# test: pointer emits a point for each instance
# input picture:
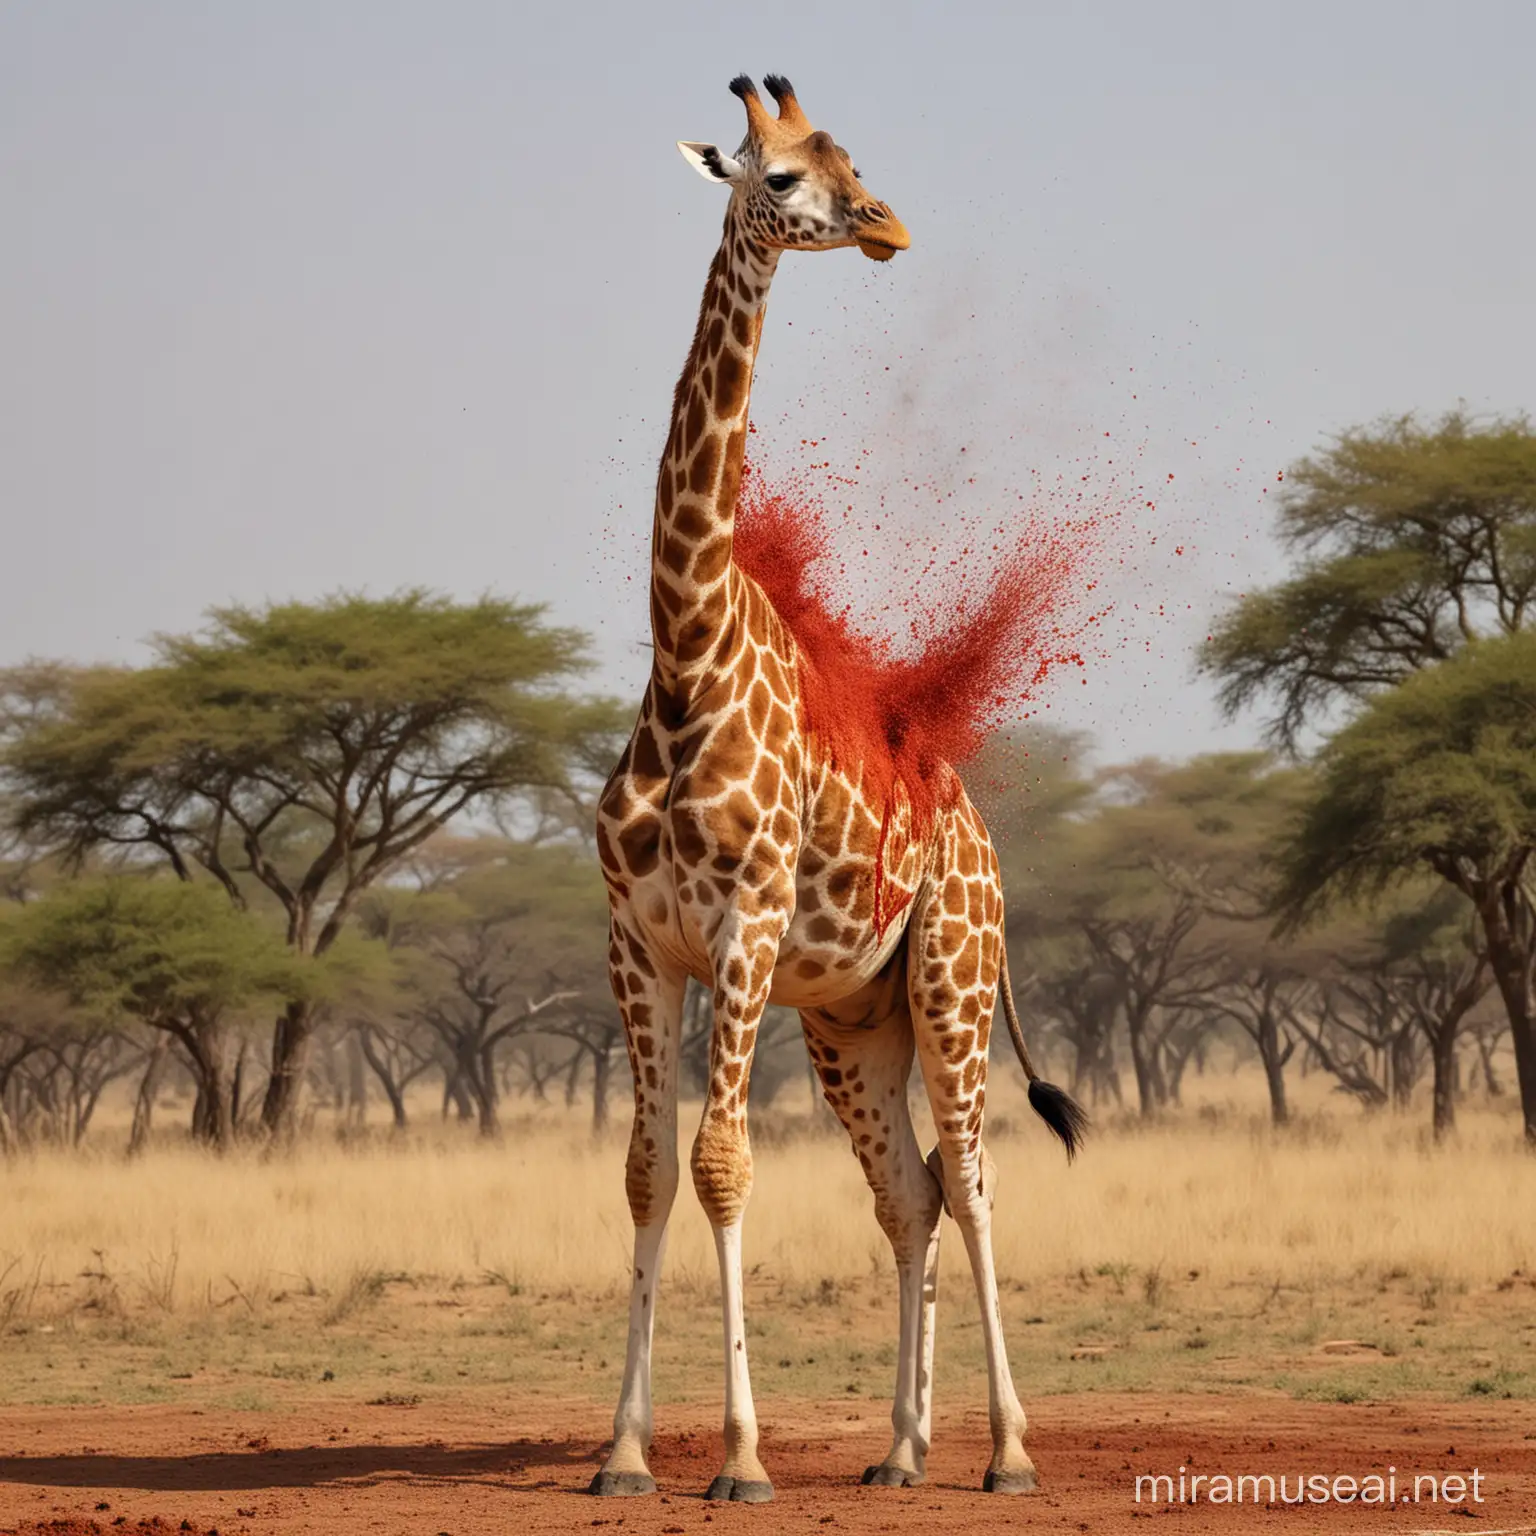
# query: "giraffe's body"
(738, 852)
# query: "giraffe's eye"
(780, 181)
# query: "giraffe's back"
(728, 810)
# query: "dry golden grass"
(1206, 1253)
(1341, 1197)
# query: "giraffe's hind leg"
(955, 943)
(651, 1002)
(864, 1069)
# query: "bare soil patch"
(523, 1465)
(117, 1526)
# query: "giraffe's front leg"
(652, 1005)
(722, 1176)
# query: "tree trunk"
(9, 1139)
(144, 1100)
(481, 1071)
(212, 1120)
(1522, 1028)
(221, 1120)
(1512, 966)
(537, 1079)
(1075, 1083)
(456, 1091)
(1267, 1038)
(237, 1086)
(291, 1040)
(1274, 1078)
(1104, 1075)
(602, 1066)
(334, 1077)
(1174, 1073)
(1486, 1046)
(1150, 1088)
(201, 1112)
(392, 1090)
(1403, 1066)
(357, 1081)
(1443, 1058)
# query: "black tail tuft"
(1067, 1118)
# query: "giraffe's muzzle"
(882, 234)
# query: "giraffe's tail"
(1067, 1118)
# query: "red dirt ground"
(475, 1468)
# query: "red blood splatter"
(984, 634)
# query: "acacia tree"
(1439, 974)
(62, 1084)
(1078, 1004)
(1255, 992)
(28, 1020)
(501, 939)
(54, 1061)
(173, 956)
(1141, 936)
(595, 1027)
(1399, 981)
(1217, 819)
(1153, 882)
(1412, 540)
(369, 723)
(1439, 775)
(1036, 794)
(397, 1050)
(1356, 1029)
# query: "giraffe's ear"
(707, 160)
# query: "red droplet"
(983, 641)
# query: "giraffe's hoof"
(621, 1485)
(740, 1490)
(884, 1475)
(1010, 1480)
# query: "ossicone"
(783, 94)
(790, 116)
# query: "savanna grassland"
(1343, 1258)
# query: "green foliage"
(497, 939)
(1141, 900)
(1413, 540)
(545, 901)
(304, 751)
(156, 950)
(1420, 924)
(358, 725)
(1439, 773)
(1156, 837)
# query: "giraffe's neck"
(701, 467)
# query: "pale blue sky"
(304, 296)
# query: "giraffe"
(736, 851)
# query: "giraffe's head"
(794, 189)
